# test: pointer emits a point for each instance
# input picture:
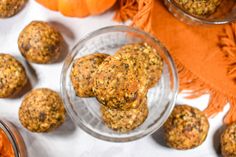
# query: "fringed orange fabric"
(199, 59)
(126, 10)
(195, 87)
(228, 45)
(140, 11)
(143, 19)
(231, 116)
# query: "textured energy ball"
(9, 8)
(82, 73)
(186, 128)
(125, 120)
(12, 76)
(119, 81)
(199, 7)
(40, 43)
(228, 141)
(148, 58)
(42, 110)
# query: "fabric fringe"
(196, 87)
(140, 11)
(143, 19)
(127, 9)
(228, 46)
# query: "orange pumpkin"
(78, 8)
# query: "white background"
(69, 140)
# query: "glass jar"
(85, 112)
(225, 13)
(14, 137)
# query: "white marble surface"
(69, 140)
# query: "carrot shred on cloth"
(205, 59)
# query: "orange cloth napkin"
(205, 55)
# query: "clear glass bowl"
(225, 13)
(85, 112)
(14, 137)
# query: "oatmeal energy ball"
(118, 82)
(199, 7)
(186, 128)
(9, 8)
(12, 76)
(82, 73)
(42, 110)
(148, 58)
(228, 141)
(40, 43)
(125, 120)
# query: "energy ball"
(228, 141)
(199, 7)
(12, 76)
(148, 58)
(186, 128)
(42, 110)
(119, 81)
(40, 43)
(125, 120)
(9, 8)
(82, 73)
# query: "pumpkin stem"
(127, 9)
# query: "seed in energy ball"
(42, 110)
(40, 43)
(12, 76)
(199, 7)
(82, 73)
(125, 120)
(228, 141)
(10, 8)
(186, 128)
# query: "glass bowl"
(85, 112)
(225, 13)
(14, 137)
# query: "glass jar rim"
(118, 28)
(199, 20)
(6, 129)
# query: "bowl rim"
(65, 68)
(196, 19)
(4, 126)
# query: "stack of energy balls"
(119, 82)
